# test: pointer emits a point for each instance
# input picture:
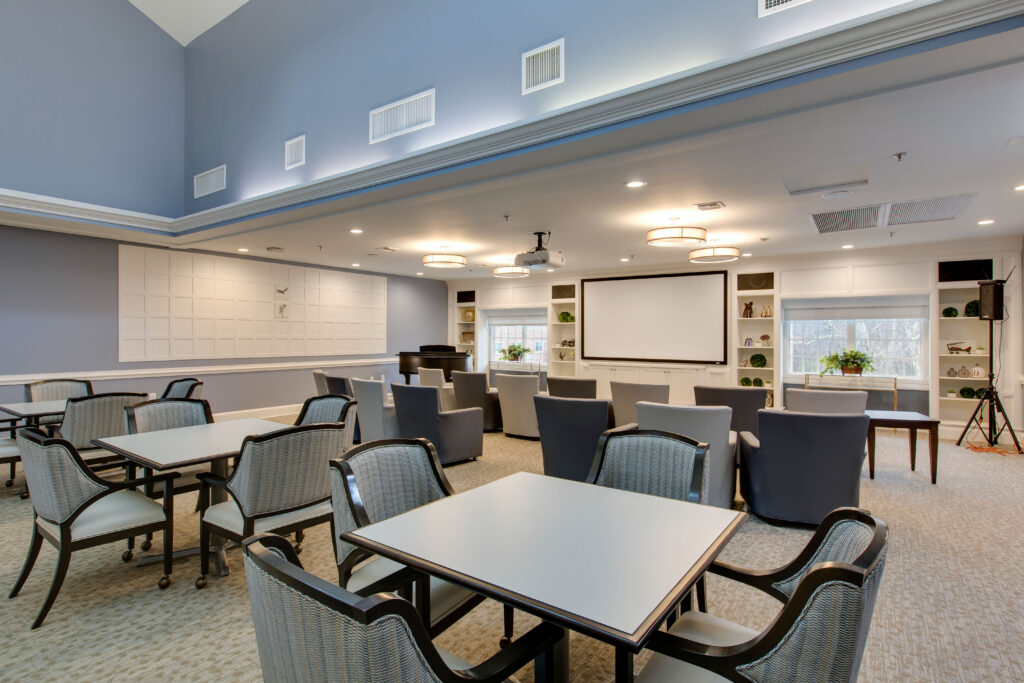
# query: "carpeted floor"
(949, 607)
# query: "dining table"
(607, 563)
(33, 411)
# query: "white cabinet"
(680, 379)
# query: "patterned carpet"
(949, 606)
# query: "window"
(894, 332)
(533, 337)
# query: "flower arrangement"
(849, 361)
(514, 352)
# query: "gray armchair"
(823, 401)
(625, 396)
(651, 462)
(57, 389)
(803, 466)
(310, 630)
(572, 387)
(471, 391)
(518, 414)
(829, 594)
(569, 431)
(377, 419)
(320, 382)
(744, 401)
(95, 417)
(188, 387)
(456, 434)
(434, 377)
(709, 424)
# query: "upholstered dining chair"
(187, 387)
(280, 484)
(829, 594)
(569, 431)
(471, 391)
(95, 417)
(320, 382)
(379, 480)
(170, 413)
(518, 414)
(310, 630)
(338, 386)
(803, 465)
(74, 509)
(572, 387)
(709, 424)
(377, 419)
(434, 377)
(824, 401)
(10, 455)
(457, 434)
(651, 462)
(625, 396)
(57, 389)
(326, 408)
(744, 401)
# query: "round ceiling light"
(444, 261)
(511, 271)
(680, 236)
(714, 255)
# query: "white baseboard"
(270, 411)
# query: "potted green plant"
(514, 352)
(848, 361)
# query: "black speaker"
(991, 293)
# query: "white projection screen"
(678, 318)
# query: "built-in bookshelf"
(562, 335)
(755, 331)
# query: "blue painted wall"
(274, 70)
(92, 104)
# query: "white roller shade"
(518, 316)
(856, 308)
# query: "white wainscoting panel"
(816, 281)
(893, 277)
(177, 306)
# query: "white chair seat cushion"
(701, 628)
(227, 516)
(445, 597)
(118, 511)
(9, 448)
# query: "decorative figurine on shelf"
(977, 371)
(769, 400)
(955, 348)
(964, 372)
(744, 363)
(766, 340)
(748, 309)
(748, 342)
(951, 372)
(571, 343)
(561, 355)
(766, 311)
(470, 315)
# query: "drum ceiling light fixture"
(511, 271)
(678, 236)
(714, 255)
(444, 261)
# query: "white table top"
(607, 562)
(35, 408)
(169, 448)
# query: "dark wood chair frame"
(65, 546)
(724, 660)
(112, 461)
(275, 556)
(356, 557)
(28, 387)
(208, 481)
(309, 401)
(196, 384)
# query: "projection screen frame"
(725, 319)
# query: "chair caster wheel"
(201, 582)
(146, 545)
(298, 548)
(127, 556)
(164, 582)
(504, 642)
(9, 483)
(23, 495)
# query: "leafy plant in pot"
(514, 352)
(848, 361)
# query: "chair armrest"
(748, 443)
(211, 479)
(519, 653)
(390, 583)
(462, 414)
(142, 481)
(761, 579)
(109, 466)
(714, 658)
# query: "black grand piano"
(433, 356)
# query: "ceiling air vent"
(544, 66)
(766, 7)
(709, 206)
(928, 210)
(404, 116)
(294, 152)
(208, 182)
(847, 219)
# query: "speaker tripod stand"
(990, 396)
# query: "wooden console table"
(904, 420)
(853, 383)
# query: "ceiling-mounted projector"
(540, 256)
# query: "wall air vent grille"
(404, 116)
(928, 210)
(208, 182)
(295, 152)
(766, 7)
(544, 66)
(847, 219)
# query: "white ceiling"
(186, 20)
(954, 132)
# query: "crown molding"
(802, 55)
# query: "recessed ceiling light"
(355, 265)
(836, 194)
(420, 274)
(1019, 188)
(847, 246)
(551, 270)
(634, 184)
(987, 221)
(356, 231)
(747, 254)
(243, 249)
(624, 260)
(714, 255)
(680, 236)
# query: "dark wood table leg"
(913, 448)
(871, 450)
(933, 449)
(623, 665)
(554, 669)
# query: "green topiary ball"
(950, 312)
(758, 360)
(973, 308)
(758, 382)
(967, 392)
(745, 382)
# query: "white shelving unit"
(969, 332)
(562, 358)
(465, 330)
(760, 324)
